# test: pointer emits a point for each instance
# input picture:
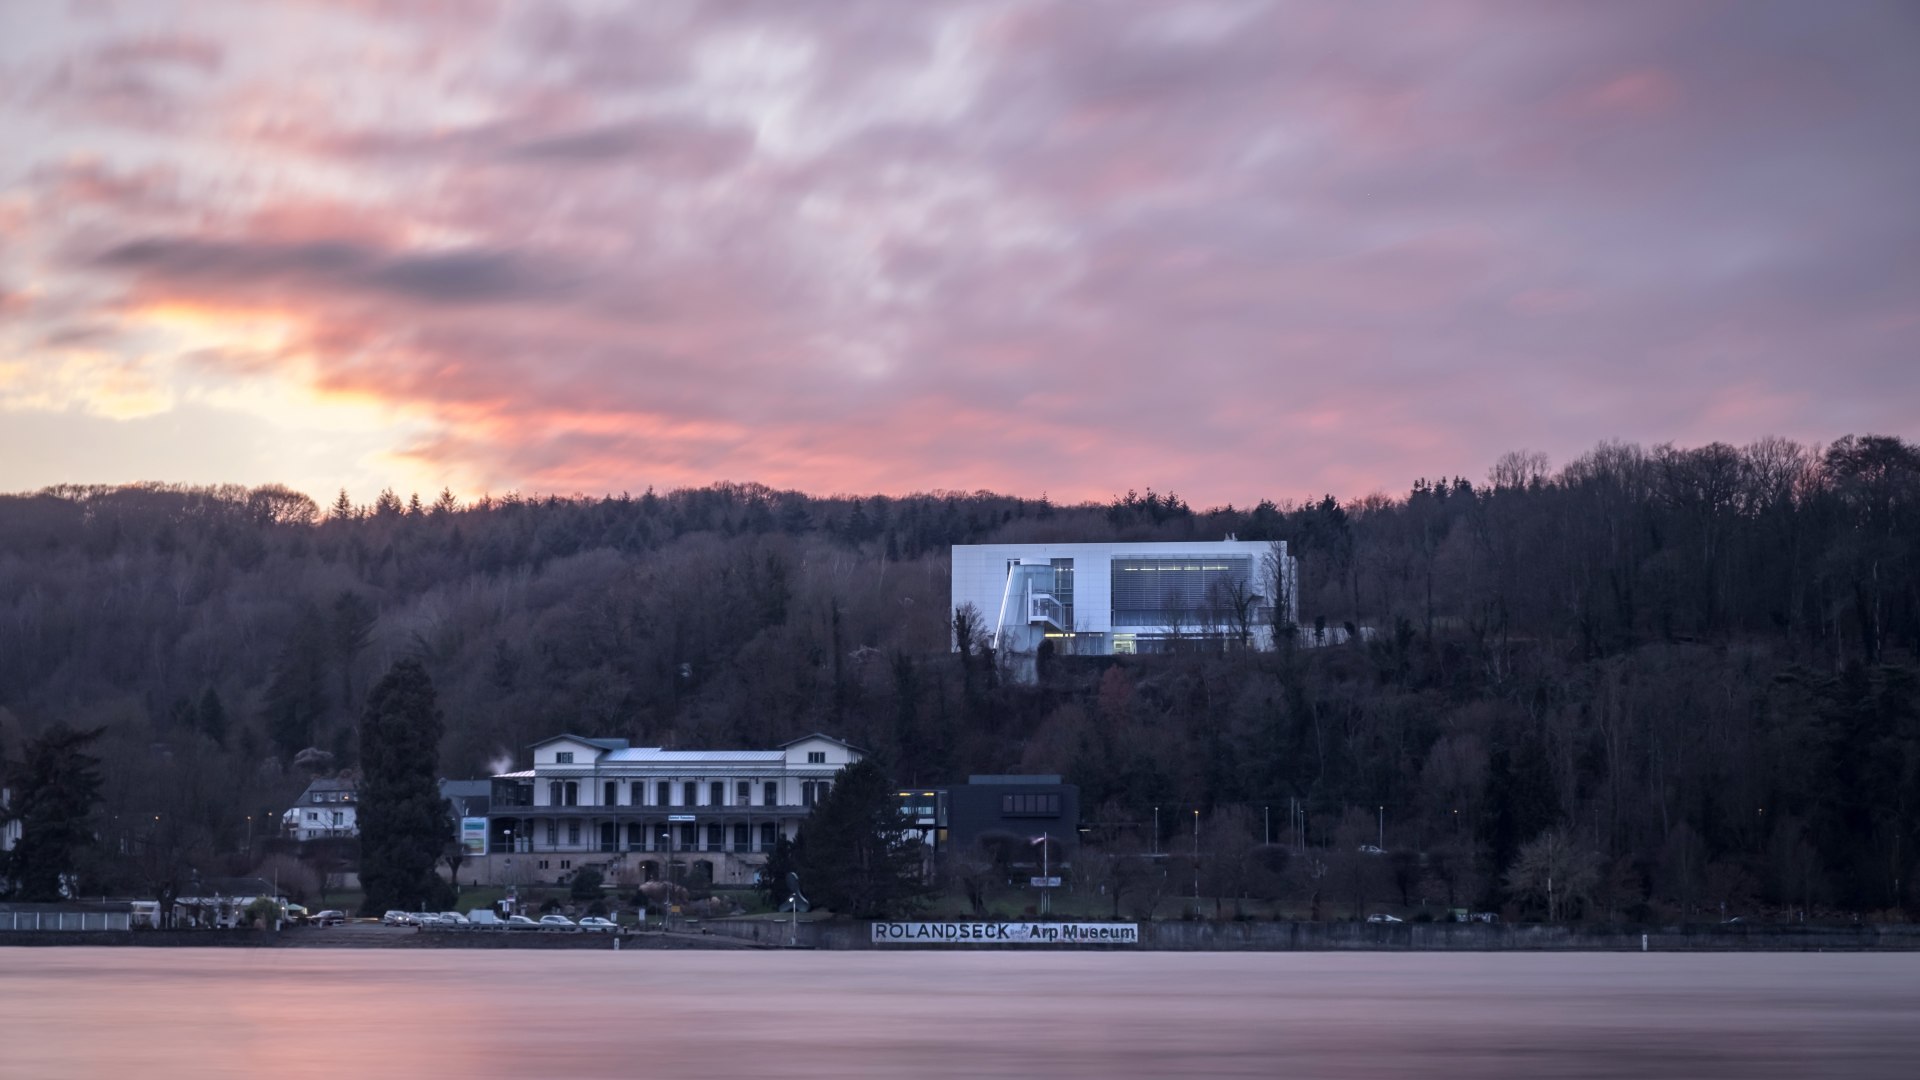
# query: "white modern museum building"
(640, 813)
(1101, 599)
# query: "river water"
(288, 1014)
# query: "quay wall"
(1335, 936)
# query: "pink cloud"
(1078, 251)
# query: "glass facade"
(1186, 592)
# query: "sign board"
(473, 835)
(1008, 933)
(1046, 882)
(679, 817)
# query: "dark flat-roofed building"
(999, 808)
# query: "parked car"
(558, 922)
(1383, 917)
(593, 924)
(521, 922)
(398, 918)
(329, 918)
(453, 919)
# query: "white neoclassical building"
(1101, 599)
(649, 813)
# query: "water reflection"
(190, 1013)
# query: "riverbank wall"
(846, 934)
(1397, 937)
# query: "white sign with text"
(1007, 933)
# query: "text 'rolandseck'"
(1011, 933)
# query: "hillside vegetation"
(1695, 668)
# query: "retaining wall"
(1481, 937)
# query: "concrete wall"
(1270, 936)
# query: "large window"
(716, 836)
(1037, 805)
(772, 793)
(743, 793)
(564, 757)
(769, 835)
(690, 793)
(612, 793)
(1180, 592)
(573, 831)
(666, 794)
(741, 836)
(717, 793)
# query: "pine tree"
(342, 509)
(297, 696)
(856, 855)
(212, 717)
(55, 786)
(404, 823)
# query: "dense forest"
(1694, 668)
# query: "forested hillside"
(1697, 663)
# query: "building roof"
(604, 744)
(470, 798)
(654, 753)
(819, 735)
(333, 783)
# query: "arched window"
(573, 793)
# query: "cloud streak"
(1231, 249)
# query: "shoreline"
(850, 935)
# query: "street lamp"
(1196, 862)
(1382, 845)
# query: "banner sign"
(1007, 933)
(473, 835)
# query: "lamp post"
(1196, 862)
(1382, 844)
(1266, 818)
(1155, 843)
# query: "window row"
(1030, 805)
(682, 793)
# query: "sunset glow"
(1236, 250)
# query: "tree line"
(1690, 672)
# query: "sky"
(1231, 250)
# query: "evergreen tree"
(297, 697)
(784, 858)
(857, 857)
(352, 624)
(404, 823)
(212, 717)
(55, 786)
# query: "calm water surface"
(159, 1014)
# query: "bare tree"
(1554, 870)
